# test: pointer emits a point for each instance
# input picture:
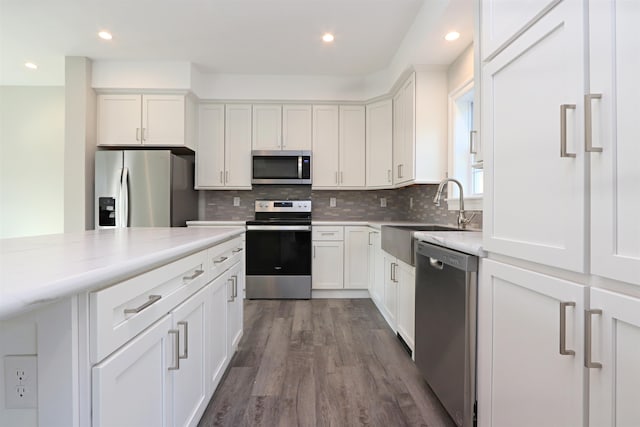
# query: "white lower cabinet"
(406, 297)
(189, 394)
(327, 265)
(356, 257)
(526, 377)
(177, 362)
(615, 337)
(137, 369)
(376, 267)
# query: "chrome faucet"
(462, 220)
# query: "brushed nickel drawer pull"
(221, 259)
(194, 275)
(236, 250)
(563, 129)
(588, 123)
(152, 300)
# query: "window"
(464, 162)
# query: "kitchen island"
(90, 308)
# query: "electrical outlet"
(332, 202)
(236, 201)
(21, 382)
(383, 202)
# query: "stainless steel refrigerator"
(144, 188)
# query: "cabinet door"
(132, 387)
(119, 119)
(218, 355)
(379, 146)
(613, 394)
(189, 382)
(210, 152)
(296, 127)
(502, 20)
(523, 379)
(325, 146)
(406, 303)
(267, 127)
(390, 294)
(615, 199)
(235, 307)
(356, 254)
(404, 132)
(238, 145)
(327, 265)
(163, 120)
(352, 146)
(534, 197)
(376, 266)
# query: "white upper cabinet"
(379, 146)
(614, 131)
(352, 146)
(150, 120)
(237, 157)
(267, 127)
(325, 146)
(404, 132)
(296, 127)
(210, 152)
(503, 20)
(535, 196)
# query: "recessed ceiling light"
(453, 35)
(31, 65)
(105, 35)
(327, 37)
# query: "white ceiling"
(223, 36)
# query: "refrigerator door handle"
(125, 197)
(118, 208)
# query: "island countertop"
(41, 269)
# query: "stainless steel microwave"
(280, 167)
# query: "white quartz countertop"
(41, 269)
(215, 223)
(469, 242)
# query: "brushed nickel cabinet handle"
(563, 329)
(234, 278)
(221, 259)
(588, 122)
(176, 350)
(399, 175)
(221, 177)
(186, 340)
(137, 134)
(341, 177)
(563, 129)
(337, 177)
(152, 300)
(588, 314)
(236, 250)
(197, 273)
(389, 175)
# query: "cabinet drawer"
(223, 256)
(120, 312)
(327, 232)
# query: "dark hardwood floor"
(321, 363)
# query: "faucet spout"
(462, 219)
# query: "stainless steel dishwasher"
(445, 340)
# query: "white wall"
(31, 160)
(141, 75)
(80, 145)
(461, 70)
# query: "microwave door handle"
(299, 167)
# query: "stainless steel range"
(279, 250)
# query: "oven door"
(278, 250)
(278, 262)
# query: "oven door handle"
(278, 228)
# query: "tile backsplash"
(413, 203)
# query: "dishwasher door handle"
(439, 265)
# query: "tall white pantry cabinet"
(558, 327)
